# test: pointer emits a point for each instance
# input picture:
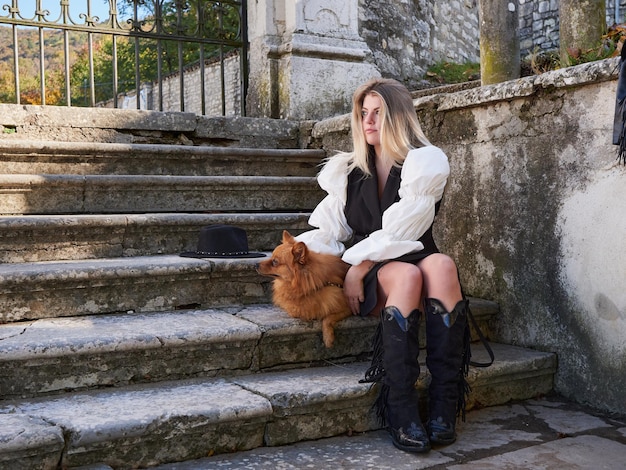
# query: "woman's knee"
(439, 265)
(396, 274)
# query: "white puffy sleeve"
(329, 216)
(423, 178)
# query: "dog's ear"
(287, 237)
(299, 252)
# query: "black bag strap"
(483, 340)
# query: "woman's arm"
(329, 217)
(424, 176)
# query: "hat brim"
(195, 254)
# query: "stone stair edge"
(170, 218)
(32, 181)
(29, 290)
(45, 123)
(32, 238)
(22, 116)
(85, 194)
(266, 318)
(138, 266)
(276, 402)
(53, 355)
(104, 149)
(86, 334)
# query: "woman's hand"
(353, 285)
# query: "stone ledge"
(140, 426)
(578, 75)
(101, 118)
(146, 425)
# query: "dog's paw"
(328, 336)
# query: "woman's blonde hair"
(400, 130)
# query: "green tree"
(198, 19)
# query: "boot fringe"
(376, 371)
(464, 386)
(380, 405)
(621, 142)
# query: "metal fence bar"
(170, 38)
(42, 67)
(16, 66)
(66, 48)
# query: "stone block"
(149, 425)
(29, 443)
(314, 403)
(517, 374)
(63, 354)
(290, 342)
(149, 283)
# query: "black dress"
(364, 212)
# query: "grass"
(537, 62)
(447, 72)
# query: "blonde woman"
(381, 202)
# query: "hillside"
(28, 56)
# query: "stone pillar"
(499, 41)
(306, 58)
(582, 23)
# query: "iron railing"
(140, 41)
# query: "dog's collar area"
(332, 284)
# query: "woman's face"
(370, 121)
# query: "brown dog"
(308, 285)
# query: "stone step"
(52, 289)
(57, 355)
(47, 289)
(32, 238)
(128, 126)
(72, 353)
(115, 194)
(94, 158)
(150, 424)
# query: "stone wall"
(534, 215)
(538, 25)
(404, 39)
(149, 92)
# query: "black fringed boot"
(395, 364)
(448, 355)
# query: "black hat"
(222, 241)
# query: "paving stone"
(572, 453)
(509, 437)
(289, 340)
(367, 451)
(568, 422)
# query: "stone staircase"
(115, 350)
